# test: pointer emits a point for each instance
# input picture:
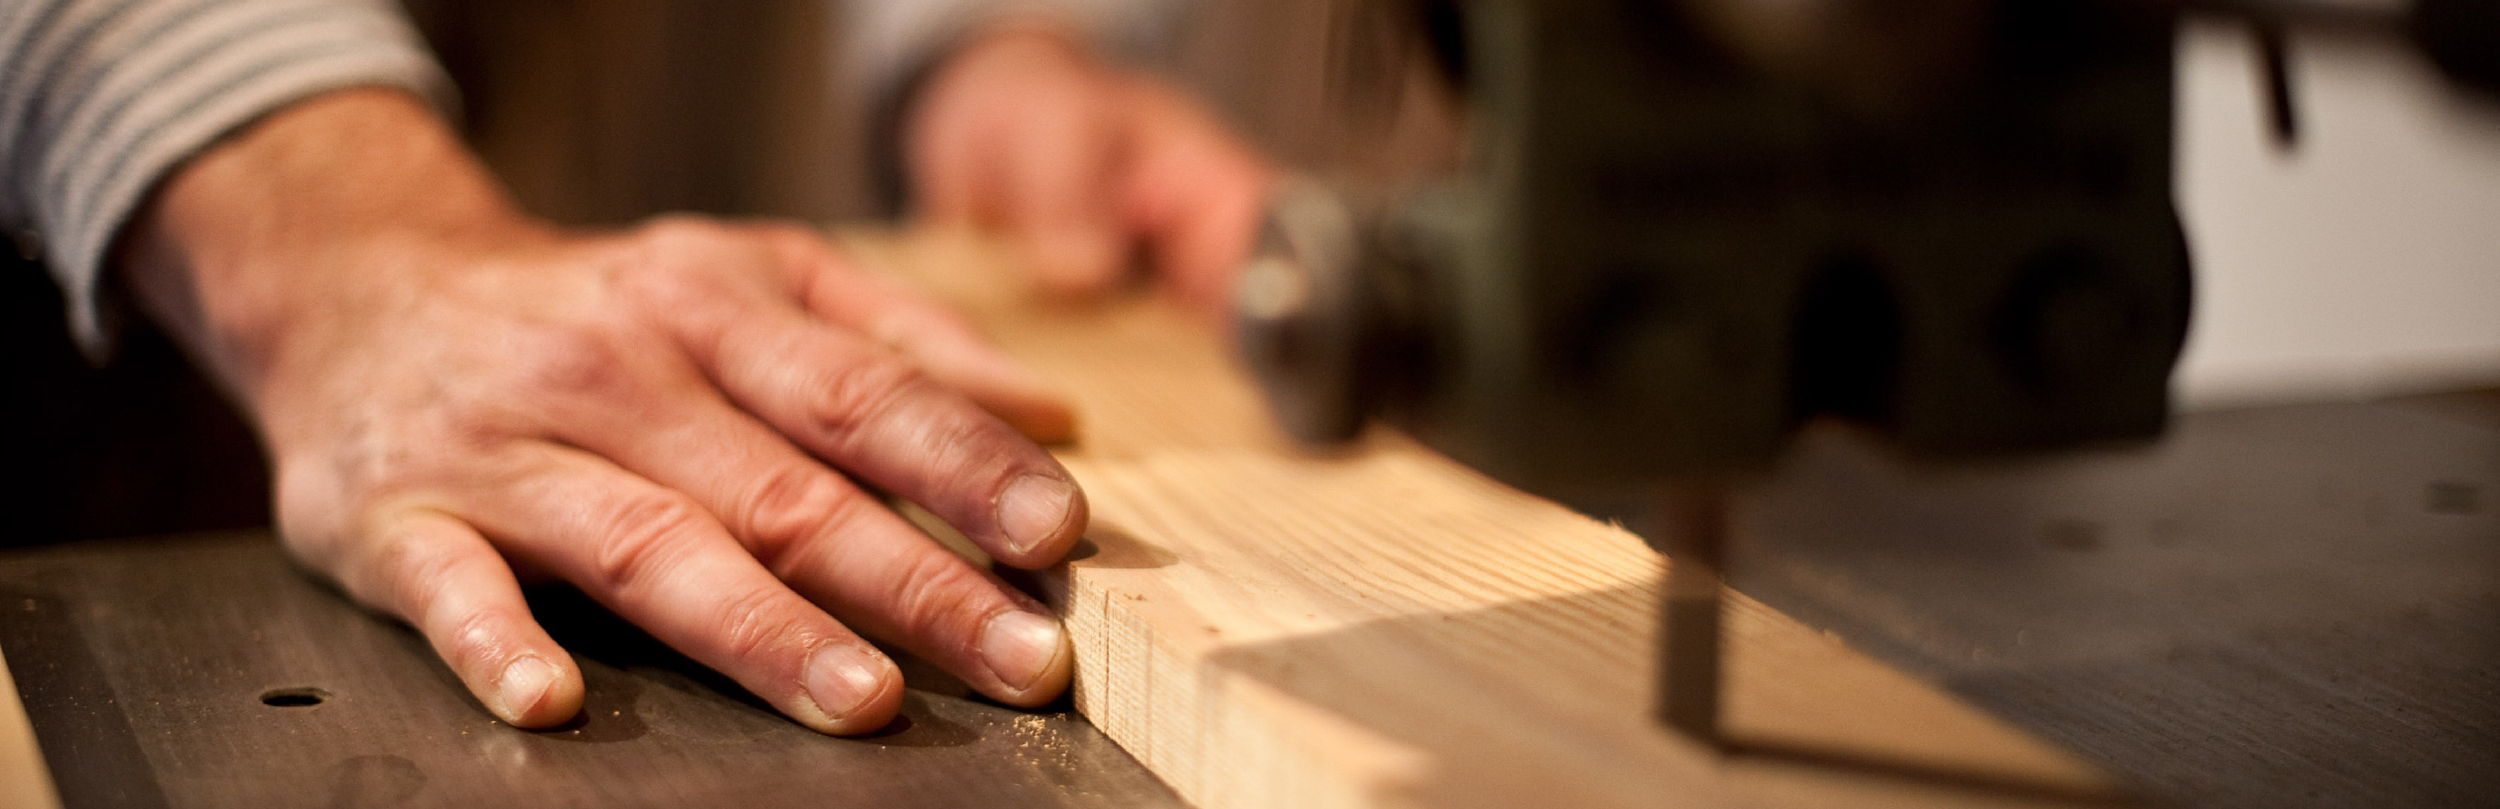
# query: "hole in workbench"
(294, 697)
(2455, 497)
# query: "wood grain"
(1264, 627)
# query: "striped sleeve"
(885, 40)
(99, 99)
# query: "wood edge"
(1250, 729)
(1112, 688)
(25, 781)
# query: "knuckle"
(751, 628)
(414, 577)
(956, 445)
(403, 573)
(468, 426)
(640, 539)
(938, 596)
(785, 505)
(380, 573)
(569, 361)
(667, 287)
(682, 242)
(856, 394)
(473, 641)
(689, 269)
(391, 569)
(675, 276)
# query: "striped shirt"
(885, 40)
(100, 99)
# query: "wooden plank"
(1263, 627)
(24, 781)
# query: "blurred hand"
(1086, 166)
(450, 390)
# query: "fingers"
(895, 583)
(932, 336)
(1017, 133)
(954, 356)
(659, 560)
(854, 404)
(1058, 204)
(436, 573)
(865, 411)
(1194, 191)
(1081, 163)
(846, 552)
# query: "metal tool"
(1689, 227)
(1682, 236)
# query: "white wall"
(2365, 262)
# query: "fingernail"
(523, 685)
(1020, 647)
(1033, 511)
(840, 679)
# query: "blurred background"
(603, 112)
(606, 111)
(2363, 263)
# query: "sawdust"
(1037, 743)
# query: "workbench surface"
(2284, 607)
(207, 671)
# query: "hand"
(1083, 164)
(449, 391)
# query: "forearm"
(266, 231)
(104, 98)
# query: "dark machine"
(1687, 229)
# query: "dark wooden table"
(2288, 607)
(206, 671)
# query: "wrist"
(301, 214)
